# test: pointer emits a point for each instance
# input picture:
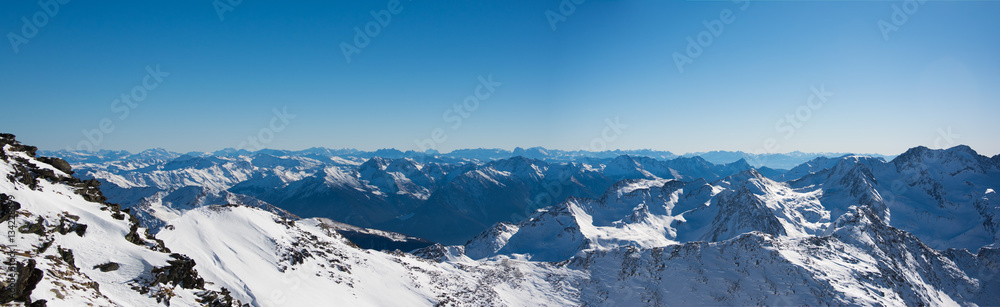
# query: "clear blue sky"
(938, 72)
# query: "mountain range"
(445, 198)
(268, 228)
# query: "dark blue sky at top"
(935, 75)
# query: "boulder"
(58, 163)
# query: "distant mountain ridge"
(439, 198)
(770, 160)
(445, 198)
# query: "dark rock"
(222, 298)
(67, 256)
(67, 225)
(24, 176)
(9, 139)
(58, 163)
(299, 256)
(27, 277)
(116, 210)
(45, 246)
(45, 173)
(38, 227)
(107, 267)
(158, 245)
(179, 271)
(8, 207)
(434, 252)
(133, 235)
(90, 190)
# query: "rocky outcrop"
(58, 163)
(30, 175)
(26, 278)
(179, 271)
(8, 207)
(107, 267)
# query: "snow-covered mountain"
(741, 239)
(944, 197)
(459, 197)
(509, 190)
(656, 213)
(72, 249)
(442, 198)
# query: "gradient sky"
(938, 74)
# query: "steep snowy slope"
(72, 249)
(269, 261)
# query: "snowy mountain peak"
(951, 161)
(749, 179)
(375, 163)
(155, 153)
(741, 212)
(626, 166)
(490, 241)
(520, 166)
(739, 164)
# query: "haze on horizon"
(680, 76)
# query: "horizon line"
(435, 152)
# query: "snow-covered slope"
(269, 261)
(72, 249)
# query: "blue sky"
(933, 81)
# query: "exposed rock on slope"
(65, 232)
